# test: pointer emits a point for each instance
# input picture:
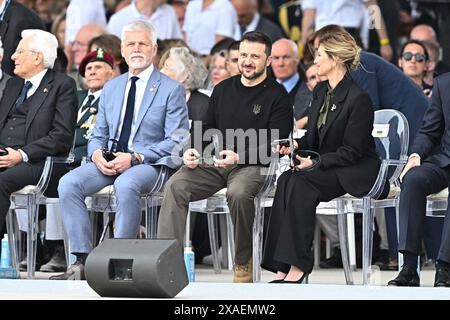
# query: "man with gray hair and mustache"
(139, 115)
(37, 115)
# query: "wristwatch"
(134, 160)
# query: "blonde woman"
(339, 129)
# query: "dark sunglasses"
(419, 57)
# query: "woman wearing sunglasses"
(414, 63)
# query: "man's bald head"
(423, 32)
(84, 35)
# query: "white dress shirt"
(164, 20)
(35, 82)
(80, 13)
(202, 25)
(346, 13)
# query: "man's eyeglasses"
(20, 51)
(419, 57)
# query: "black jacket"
(345, 143)
(432, 142)
(50, 120)
(17, 18)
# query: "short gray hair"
(190, 66)
(43, 42)
(140, 25)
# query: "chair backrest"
(391, 133)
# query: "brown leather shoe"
(74, 272)
(244, 273)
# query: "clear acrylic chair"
(29, 198)
(217, 205)
(391, 133)
(104, 201)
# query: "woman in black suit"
(339, 129)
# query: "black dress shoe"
(406, 278)
(277, 281)
(442, 278)
(299, 281)
(333, 262)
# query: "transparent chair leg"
(224, 239)
(257, 240)
(32, 235)
(231, 247)
(14, 239)
(367, 236)
(351, 240)
(151, 217)
(342, 231)
(212, 230)
(106, 227)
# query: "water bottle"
(5, 261)
(189, 261)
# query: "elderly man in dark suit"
(15, 17)
(37, 115)
(427, 172)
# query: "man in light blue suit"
(141, 114)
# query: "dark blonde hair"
(338, 44)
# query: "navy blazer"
(432, 142)
(389, 88)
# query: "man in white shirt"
(161, 16)
(350, 14)
(80, 13)
(207, 22)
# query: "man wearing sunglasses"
(414, 63)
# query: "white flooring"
(323, 285)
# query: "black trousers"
(291, 225)
(417, 184)
(14, 179)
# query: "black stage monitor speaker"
(137, 268)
